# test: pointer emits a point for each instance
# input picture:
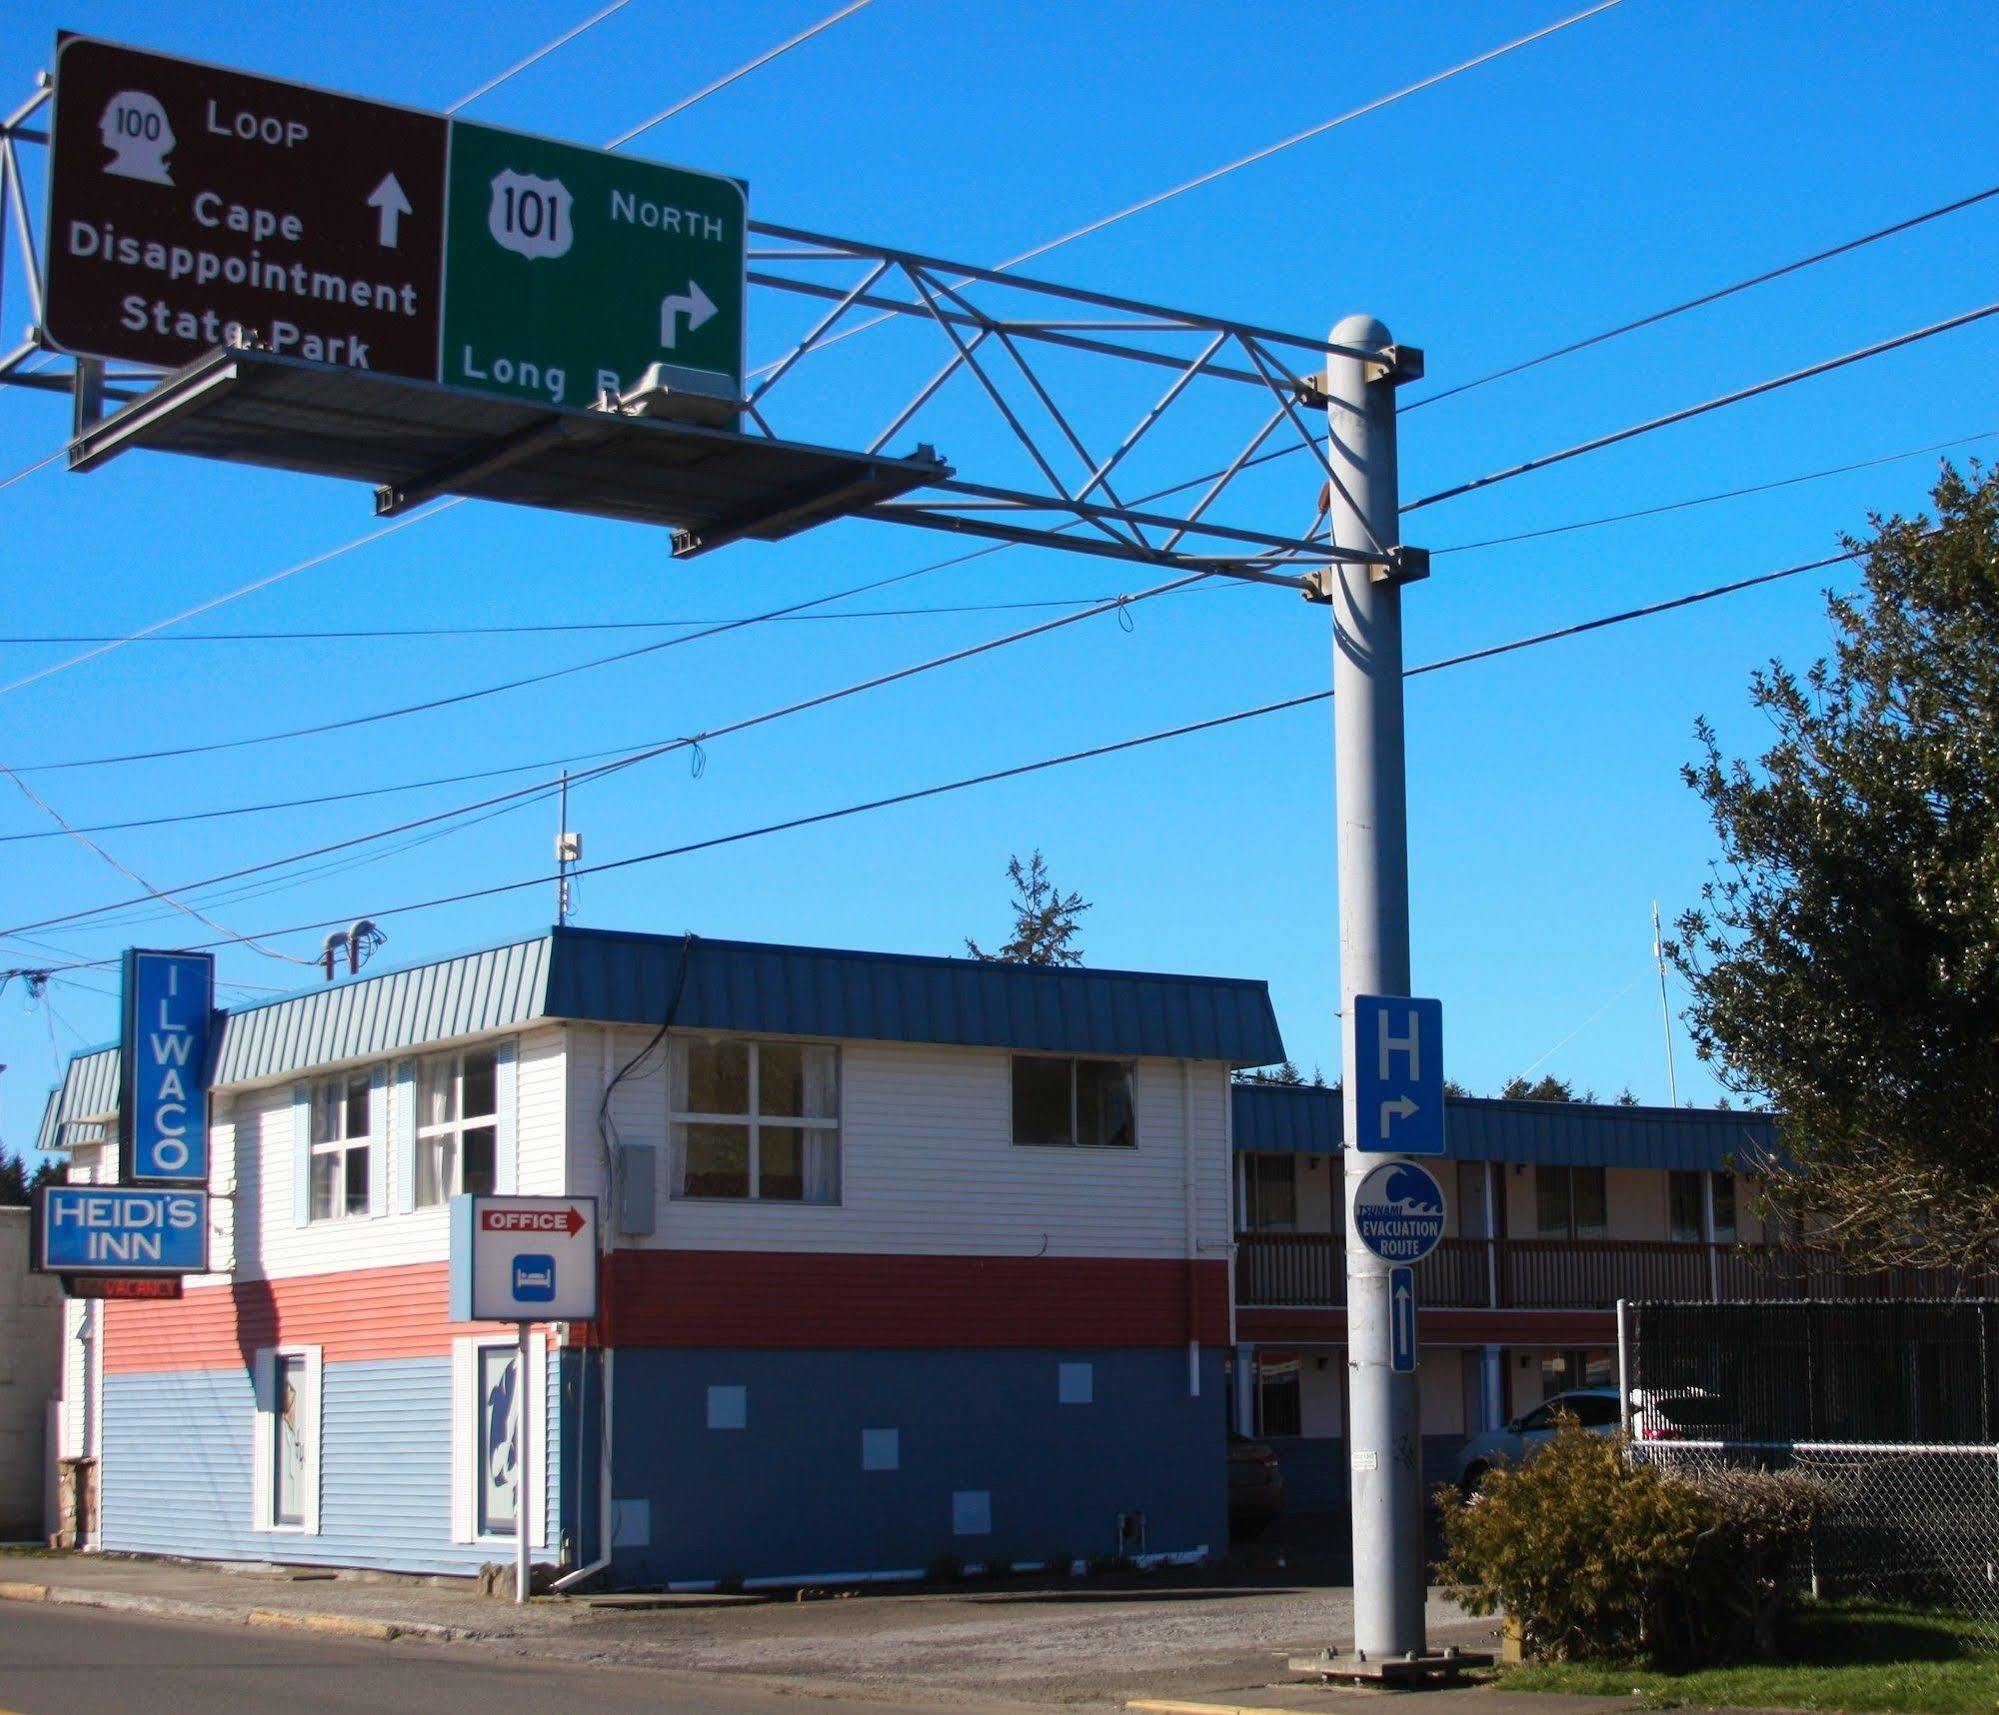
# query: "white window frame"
(422, 1135)
(1131, 1085)
(264, 1428)
(754, 1122)
(465, 1452)
(341, 1147)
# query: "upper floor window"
(457, 1125)
(340, 1146)
(1724, 1208)
(1569, 1203)
(1063, 1101)
(1685, 1222)
(1270, 1193)
(756, 1120)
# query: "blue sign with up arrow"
(1402, 1320)
(1396, 1058)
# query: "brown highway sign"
(190, 206)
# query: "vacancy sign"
(523, 1259)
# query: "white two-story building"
(908, 1261)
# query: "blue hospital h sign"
(163, 1099)
(1396, 1061)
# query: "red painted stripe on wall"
(819, 1298)
(369, 1313)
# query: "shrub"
(1596, 1557)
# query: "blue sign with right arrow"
(1397, 1062)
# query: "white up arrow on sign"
(697, 306)
(388, 197)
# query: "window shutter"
(464, 1436)
(506, 1169)
(402, 1134)
(301, 1154)
(263, 1428)
(378, 1141)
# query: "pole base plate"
(1412, 1669)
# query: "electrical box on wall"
(638, 1188)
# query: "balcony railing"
(1308, 1271)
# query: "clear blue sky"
(1639, 158)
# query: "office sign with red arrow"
(523, 1259)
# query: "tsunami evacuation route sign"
(1398, 1212)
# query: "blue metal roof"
(609, 977)
(1298, 1119)
(900, 997)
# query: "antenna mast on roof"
(1665, 1006)
(568, 851)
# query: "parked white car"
(1661, 1414)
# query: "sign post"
(523, 1260)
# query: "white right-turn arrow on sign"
(693, 303)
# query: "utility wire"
(540, 53)
(1186, 729)
(1705, 298)
(430, 704)
(1708, 499)
(1826, 366)
(820, 700)
(1240, 162)
(764, 59)
(214, 602)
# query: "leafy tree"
(1844, 958)
(1287, 1073)
(1046, 920)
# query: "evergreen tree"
(1046, 920)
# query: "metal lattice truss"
(1058, 404)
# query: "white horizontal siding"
(267, 1242)
(929, 1166)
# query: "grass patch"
(1838, 1656)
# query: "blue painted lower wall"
(786, 1495)
(178, 1448)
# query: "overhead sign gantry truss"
(1041, 389)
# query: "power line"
(430, 704)
(1705, 298)
(820, 700)
(1824, 367)
(764, 59)
(1186, 729)
(1248, 160)
(540, 53)
(251, 588)
(564, 628)
(1710, 499)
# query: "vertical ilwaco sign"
(163, 1100)
(192, 206)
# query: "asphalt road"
(73, 1661)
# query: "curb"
(166, 1607)
(1176, 1706)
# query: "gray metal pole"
(523, 1478)
(1384, 1429)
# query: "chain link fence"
(1890, 1406)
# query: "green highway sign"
(568, 270)
(192, 205)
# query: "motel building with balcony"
(1555, 1211)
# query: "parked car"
(1256, 1487)
(1664, 1414)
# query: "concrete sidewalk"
(1162, 1644)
